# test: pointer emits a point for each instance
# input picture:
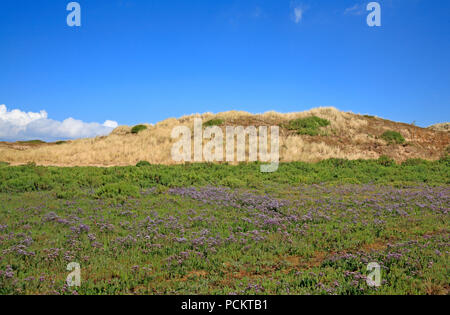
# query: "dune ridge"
(350, 136)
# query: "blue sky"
(136, 61)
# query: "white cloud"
(357, 9)
(18, 125)
(20, 118)
(298, 14)
(111, 124)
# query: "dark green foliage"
(118, 191)
(334, 171)
(415, 162)
(393, 137)
(60, 142)
(143, 164)
(445, 160)
(32, 142)
(138, 128)
(213, 122)
(386, 161)
(68, 192)
(307, 126)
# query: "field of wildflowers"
(218, 229)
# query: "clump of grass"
(393, 137)
(4, 164)
(119, 192)
(143, 164)
(308, 126)
(60, 142)
(32, 142)
(213, 122)
(138, 128)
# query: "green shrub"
(386, 161)
(118, 191)
(414, 162)
(138, 128)
(60, 142)
(143, 164)
(393, 137)
(128, 181)
(69, 192)
(32, 142)
(232, 182)
(24, 183)
(445, 160)
(213, 122)
(307, 126)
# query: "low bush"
(393, 137)
(385, 161)
(138, 128)
(415, 162)
(213, 122)
(119, 192)
(143, 164)
(68, 193)
(307, 126)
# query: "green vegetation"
(32, 142)
(387, 161)
(143, 164)
(118, 192)
(334, 171)
(305, 229)
(138, 128)
(308, 126)
(60, 142)
(393, 137)
(213, 122)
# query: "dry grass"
(349, 136)
(441, 127)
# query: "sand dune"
(349, 136)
